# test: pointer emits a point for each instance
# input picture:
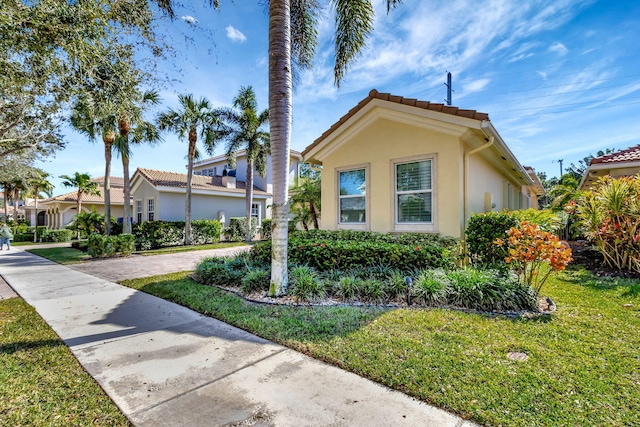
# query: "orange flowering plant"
(529, 249)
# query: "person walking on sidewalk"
(5, 236)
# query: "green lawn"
(41, 383)
(583, 364)
(61, 255)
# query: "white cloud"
(476, 85)
(235, 35)
(543, 74)
(558, 48)
(189, 19)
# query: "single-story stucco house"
(161, 195)
(395, 164)
(621, 163)
(59, 211)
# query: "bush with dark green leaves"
(227, 272)
(160, 234)
(483, 229)
(237, 230)
(256, 280)
(100, 246)
(266, 229)
(324, 250)
(57, 236)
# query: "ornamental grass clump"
(531, 250)
(431, 287)
(305, 284)
(611, 218)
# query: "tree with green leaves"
(292, 43)
(84, 185)
(578, 171)
(194, 118)
(243, 129)
(305, 200)
(133, 129)
(564, 191)
(37, 184)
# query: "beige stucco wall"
(376, 146)
(143, 191)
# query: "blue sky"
(559, 79)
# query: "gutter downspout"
(465, 192)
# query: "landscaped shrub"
(110, 246)
(81, 245)
(126, 244)
(305, 284)
(308, 248)
(488, 290)
(348, 288)
(396, 286)
(205, 231)
(96, 245)
(57, 236)
(266, 229)
(23, 237)
(529, 249)
(256, 280)
(237, 230)
(546, 219)
(482, 231)
(431, 287)
(611, 218)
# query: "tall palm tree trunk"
(249, 196)
(107, 184)
(16, 197)
(187, 207)
(280, 110)
(124, 126)
(314, 215)
(126, 219)
(35, 205)
(78, 207)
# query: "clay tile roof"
(117, 197)
(179, 180)
(631, 154)
(426, 105)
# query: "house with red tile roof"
(59, 211)
(617, 164)
(161, 195)
(395, 164)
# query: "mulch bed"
(583, 254)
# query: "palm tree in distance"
(95, 119)
(194, 118)
(84, 185)
(131, 123)
(39, 183)
(243, 129)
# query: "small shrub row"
(409, 239)
(160, 234)
(237, 229)
(485, 290)
(266, 229)
(100, 246)
(332, 253)
(57, 236)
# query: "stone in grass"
(515, 355)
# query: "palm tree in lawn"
(293, 39)
(243, 128)
(95, 119)
(131, 123)
(39, 183)
(194, 118)
(82, 182)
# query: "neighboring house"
(394, 164)
(215, 166)
(621, 163)
(59, 211)
(160, 195)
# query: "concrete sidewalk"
(165, 365)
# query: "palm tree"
(93, 118)
(194, 118)
(243, 130)
(130, 114)
(39, 183)
(84, 185)
(293, 38)
(306, 196)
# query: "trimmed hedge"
(482, 230)
(100, 246)
(326, 250)
(160, 234)
(266, 229)
(237, 230)
(57, 236)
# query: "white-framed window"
(197, 172)
(352, 197)
(414, 198)
(139, 212)
(255, 211)
(151, 209)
